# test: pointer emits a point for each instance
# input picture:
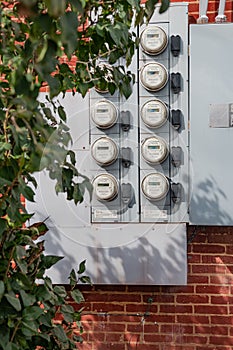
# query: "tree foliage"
(38, 38)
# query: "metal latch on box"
(176, 156)
(125, 120)
(126, 157)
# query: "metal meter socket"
(155, 186)
(104, 114)
(105, 187)
(105, 151)
(154, 150)
(154, 76)
(154, 113)
(153, 40)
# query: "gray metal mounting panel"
(211, 132)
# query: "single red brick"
(209, 248)
(221, 319)
(193, 299)
(210, 309)
(197, 279)
(192, 319)
(221, 340)
(176, 309)
(212, 289)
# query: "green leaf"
(83, 88)
(68, 313)
(4, 146)
(164, 6)
(4, 336)
(115, 34)
(72, 157)
(62, 113)
(59, 333)
(69, 32)
(85, 279)
(2, 289)
(26, 191)
(32, 313)
(15, 302)
(73, 278)
(27, 299)
(11, 346)
(77, 296)
(3, 225)
(56, 7)
(54, 85)
(126, 90)
(77, 194)
(60, 291)
(82, 267)
(67, 309)
(30, 328)
(50, 260)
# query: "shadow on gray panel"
(206, 208)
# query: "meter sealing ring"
(153, 40)
(104, 114)
(154, 150)
(155, 186)
(104, 151)
(154, 113)
(154, 76)
(105, 187)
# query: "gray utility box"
(129, 232)
(211, 121)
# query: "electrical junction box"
(211, 132)
(135, 152)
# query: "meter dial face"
(105, 151)
(155, 186)
(154, 76)
(154, 150)
(154, 113)
(153, 40)
(104, 114)
(105, 187)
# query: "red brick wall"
(194, 317)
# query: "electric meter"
(154, 113)
(153, 40)
(155, 186)
(105, 151)
(105, 187)
(154, 150)
(104, 114)
(153, 76)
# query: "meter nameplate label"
(221, 115)
(105, 214)
(154, 214)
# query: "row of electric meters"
(154, 154)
